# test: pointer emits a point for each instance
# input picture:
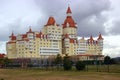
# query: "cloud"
(114, 30)
(111, 45)
(91, 16)
(114, 18)
(91, 26)
(17, 15)
(2, 47)
(87, 14)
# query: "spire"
(100, 37)
(51, 21)
(13, 37)
(12, 34)
(69, 20)
(91, 38)
(30, 30)
(40, 33)
(68, 10)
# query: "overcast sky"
(91, 16)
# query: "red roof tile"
(69, 10)
(2, 55)
(30, 30)
(51, 21)
(13, 37)
(69, 21)
(100, 37)
(39, 35)
(24, 36)
(91, 40)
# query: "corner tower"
(69, 25)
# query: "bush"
(107, 60)
(80, 66)
(67, 64)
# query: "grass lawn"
(38, 74)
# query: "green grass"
(104, 68)
(39, 74)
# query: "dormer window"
(67, 24)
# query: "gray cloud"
(115, 29)
(91, 26)
(2, 47)
(17, 15)
(87, 14)
(90, 18)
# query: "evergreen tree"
(107, 61)
(67, 63)
(80, 66)
(58, 61)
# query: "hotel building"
(54, 39)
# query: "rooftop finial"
(12, 33)
(68, 2)
(68, 10)
(100, 36)
(30, 30)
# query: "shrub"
(67, 64)
(80, 66)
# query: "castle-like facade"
(54, 39)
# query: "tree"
(4, 62)
(58, 61)
(67, 64)
(107, 61)
(112, 61)
(80, 65)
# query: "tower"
(100, 42)
(52, 40)
(69, 34)
(69, 25)
(11, 46)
